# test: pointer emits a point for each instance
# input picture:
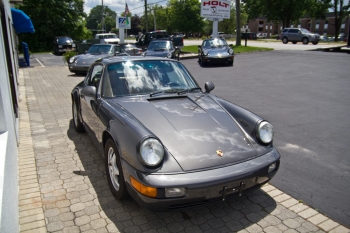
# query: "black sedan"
(165, 142)
(161, 48)
(215, 51)
(81, 63)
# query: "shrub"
(68, 55)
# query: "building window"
(326, 26)
(299, 26)
(317, 26)
(342, 26)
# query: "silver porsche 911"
(215, 50)
(166, 142)
(80, 63)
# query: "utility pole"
(146, 16)
(154, 15)
(102, 18)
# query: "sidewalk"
(63, 188)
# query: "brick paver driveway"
(63, 186)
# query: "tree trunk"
(238, 23)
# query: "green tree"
(53, 18)
(340, 14)
(94, 19)
(286, 11)
(185, 16)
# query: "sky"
(136, 7)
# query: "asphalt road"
(305, 95)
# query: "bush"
(68, 55)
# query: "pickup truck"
(144, 40)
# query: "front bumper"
(76, 68)
(202, 186)
(218, 59)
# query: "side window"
(293, 31)
(117, 49)
(95, 77)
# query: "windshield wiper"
(155, 93)
(189, 90)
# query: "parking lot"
(303, 94)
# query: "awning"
(21, 21)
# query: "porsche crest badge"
(219, 153)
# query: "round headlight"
(71, 60)
(152, 152)
(230, 51)
(168, 55)
(205, 52)
(265, 132)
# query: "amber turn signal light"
(145, 190)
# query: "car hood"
(87, 59)
(192, 129)
(219, 50)
(158, 53)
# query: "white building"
(9, 120)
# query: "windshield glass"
(145, 77)
(160, 45)
(100, 49)
(214, 43)
(303, 30)
(65, 40)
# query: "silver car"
(81, 63)
(296, 35)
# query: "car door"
(293, 34)
(90, 104)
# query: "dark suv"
(295, 35)
(62, 44)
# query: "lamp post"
(154, 16)
(146, 16)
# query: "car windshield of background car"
(65, 40)
(100, 49)
(160, 46)
(145, 77)
(303, 30)
(217, 43)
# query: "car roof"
(160, 40)
(133, 58)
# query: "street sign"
(124, 22)
(219, 9)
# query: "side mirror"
(199, 46)
(89, 91)
(209, 86)
(230, 45)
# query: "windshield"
(214, 43)
(160, 45)
(101, 49)
(65, 40)
(145, 77)
(303, 30)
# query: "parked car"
(131, 49)
(296, 35)
(143, 40)
(161, 48)
(215, 51)
(107, 38)
(220, 34)
(165, 142)
(80, 63)
(62, 44)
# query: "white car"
(107, 38)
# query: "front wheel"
(114, 171)
(285, 40)
(305, 41)
(78, 124)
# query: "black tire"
(78, 123)
(314, 43)
(285, 40)
(305, 40)
(294, 42)
(114, 171)
(201, 62)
